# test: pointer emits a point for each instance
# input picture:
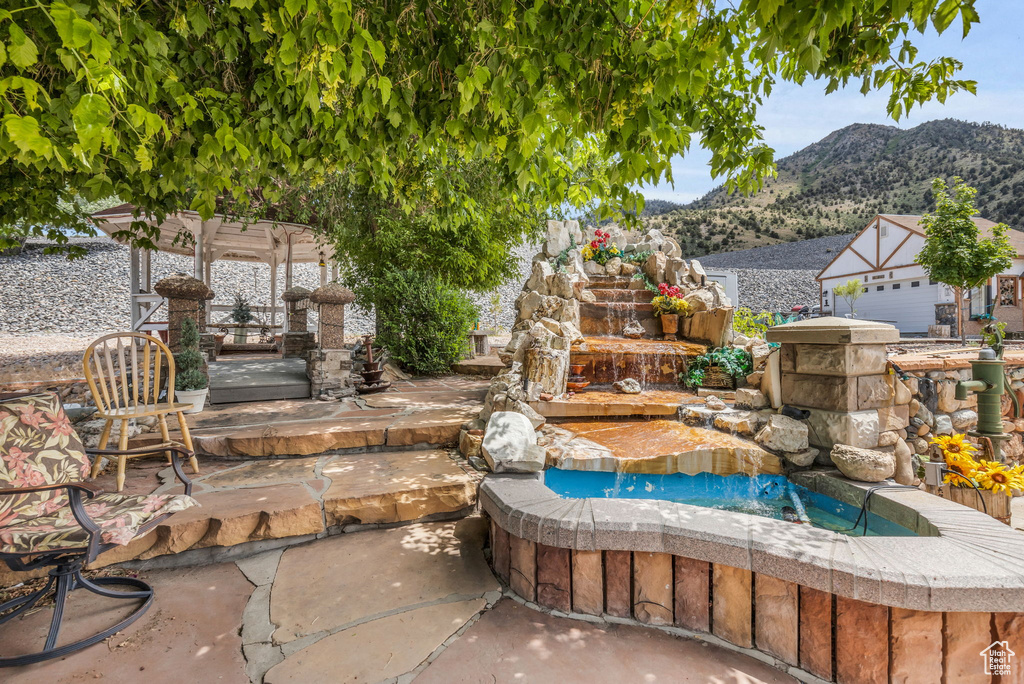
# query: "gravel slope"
(42, 294)
(804, 255)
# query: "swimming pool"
(768, 496)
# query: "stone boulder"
(943, 424)
(654, 267)
(539, 274)
(697, 273)
(510, 444)
(671, 248)
(784, 435)
(593, 268)
(714, 403)
(572, 227)
(558, 239)
(863, 465)
(803, 458)
(963, 419)
(675, 271)
(739, 422)
(613, 267)
(627, 386)
(546, 368)
(905, 472)
(750, 398)
(699, 300)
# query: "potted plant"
(600, 250)
(241, 314)
(982, 485)
(190, 382)
(718, 368)
(669, 305)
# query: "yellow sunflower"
(997, 479)
(960, 474)
(954, 446)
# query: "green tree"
(172, 105)
(954, 252)
(190, 374)
(851, 291)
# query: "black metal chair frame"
(66, 574)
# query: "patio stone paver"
(394, 486)
(297, 438)
(189, 634)
(377, 650)
(227, 518)
(434, 426)
(512, 643)
(427, 398)
(363, 576)
(264, 472)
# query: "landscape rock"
(627, 386)
(593, 268)
(714, 403)
(522, 407)
(634, 330)
(539, 274)
(510, 444)
(964, 419)
(613, 267)
(558, 239)
(904, 456)
(803, 458)
(697, 273)
(654, 267)
(699, 300)
(751, 398)
(943, 425)
(739, 422)
(863, 465)
(628, 269)
(784, 434)
(671, 248)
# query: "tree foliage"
(851, 291)
(190, 372)
(954, 252)
(170, 105)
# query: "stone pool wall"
(827, 635)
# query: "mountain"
(837, 184)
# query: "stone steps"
(620, 295)
(596, 402)
(604, 282)
(651, 362)
(609, 318)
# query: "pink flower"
(31, 417)
(61, 425)
(152, 504)
(27, 476)
(17, 456)
(94, 510)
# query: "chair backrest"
(37, 446)
(125, 370)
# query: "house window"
(916, 283)
(933, 282)
(1007, 291)
(895, 286)
(879, 288)
(885, 230)
(977, 302)
(878, 277)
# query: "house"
(897, 290)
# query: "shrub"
(422, 321)
(242, 312)
(745, 323)
(189, 375)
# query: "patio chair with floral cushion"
(49, 516)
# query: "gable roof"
(912, 222)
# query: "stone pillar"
(836, 368)
(186, 298)
(329, 364)
(331, 300)
(298, 340)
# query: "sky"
(796, 116)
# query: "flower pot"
(670, 325)
(195, 397)
(996, 504)
(240, 335)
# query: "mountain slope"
(837, 184)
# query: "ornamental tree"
(171, 105)
(954, 252)
(851, 291)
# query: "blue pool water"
(769, 496)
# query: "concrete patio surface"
(416, 603)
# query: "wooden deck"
(249, 379)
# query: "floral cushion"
(118, 516)
(38, 446)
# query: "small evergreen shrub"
(189, 375)
(242, 312)
(422, 322)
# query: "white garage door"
(909, 308)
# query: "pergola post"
(273, 289)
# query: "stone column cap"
(181, 286)
(833, 330)
(332, 293)
(295, 294)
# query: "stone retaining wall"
(829, 636)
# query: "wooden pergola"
(276, 243)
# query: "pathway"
(396, 605)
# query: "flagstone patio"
(391, 605)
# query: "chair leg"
(104, 438)
(122, 460)
(187, 439)
(165, 434)
(68, 577)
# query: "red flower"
(662, 288)
(593, 244)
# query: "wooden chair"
(131, 375)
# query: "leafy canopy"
(851, 291)
(954, 252)
(169, 105)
